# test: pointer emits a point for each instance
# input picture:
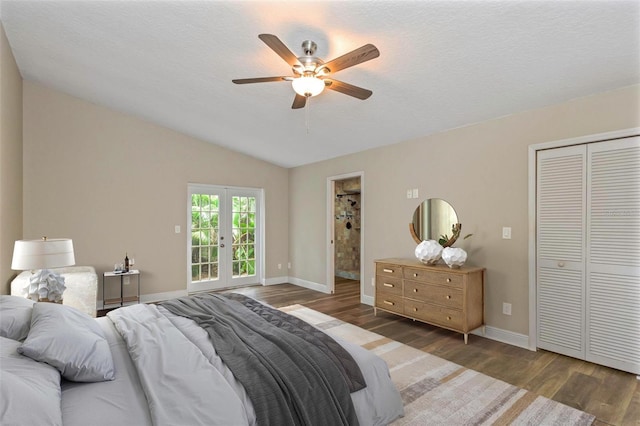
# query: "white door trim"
(532, 154)
(330, 278)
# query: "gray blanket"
(339, 355)
(290, 381)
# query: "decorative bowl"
(428, 252)
(454, 257)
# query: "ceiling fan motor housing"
(311, 65)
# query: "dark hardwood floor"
(612, 396)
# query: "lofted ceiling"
(442, 64)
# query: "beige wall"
(10, 160)
(480, 169)
(115, 183)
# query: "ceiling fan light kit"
(311, 74)
(308, 85)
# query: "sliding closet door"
(613, 254)
(561, 248)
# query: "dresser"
(437, 295)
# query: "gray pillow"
(69, 340)
(30, 390)
(15, 317)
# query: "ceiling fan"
(311, 74)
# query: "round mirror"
(435, 219)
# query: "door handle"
(221, 245)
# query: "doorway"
(224, 242)
(344, 254)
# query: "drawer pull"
(448, 280)
(388, 285)
(415, 309)
(448, 297)
(386, 302)
(449, 318)
(415, 275)
(415, 290)
(389, 271)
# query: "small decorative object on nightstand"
(127, 291)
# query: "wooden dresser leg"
(375, 311)
(466, 338)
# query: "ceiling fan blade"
(258, 80)
(279, 47)
(347, 89)
(355, 57)
(299, 102)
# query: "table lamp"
(43, 254)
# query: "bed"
(206, 359)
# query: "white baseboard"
(310, 285)
(275, 281)
(367, 300)
(504, 336)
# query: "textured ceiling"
(442, 64)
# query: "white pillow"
(69, 340)
(30, 390)
(15, 316)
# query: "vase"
(454, 257)
(428, 252)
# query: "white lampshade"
(42, 254)
(308, 85)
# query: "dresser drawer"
(389, 285)
(390, 302)
(388, 270)
(433, 277)
(447, 317)
(440, 295)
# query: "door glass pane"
(243, 234)
(204, 237)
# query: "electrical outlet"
(289, 265)
(126, 280)
(506, 308)
(409, 193)
(506, 233)
(415, 193)
(373, 282)
(177, 229)
(279, 265)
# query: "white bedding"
(167, 373)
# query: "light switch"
(415, 193)
(506, 233)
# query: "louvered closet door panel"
(613, 254)
(560, 245)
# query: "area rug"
(438, 392)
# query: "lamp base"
(44, 299)
(46, 283)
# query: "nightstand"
(120, 289)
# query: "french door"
(224, 238)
